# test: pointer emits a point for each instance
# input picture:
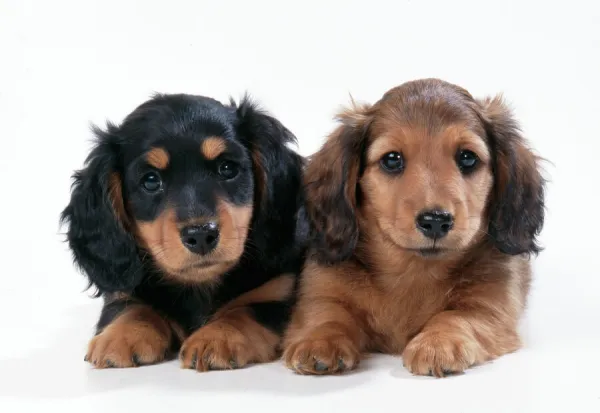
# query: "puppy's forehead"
(173, 151)
(428, 104)
(165, 108)
(416, 140)
(179, 116)
(426, 115)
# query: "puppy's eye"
(228, 170)
(466, 161)
(151, 182)
(392, 162)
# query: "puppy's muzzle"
(435, 224)
(200, 239)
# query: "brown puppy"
(425, 208)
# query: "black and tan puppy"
(188, 220)
(425, 207)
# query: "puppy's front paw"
(220, 346)
(322, 353)
(441, 353)
(127, 345)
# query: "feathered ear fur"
(517, 204)
(331, 180)
(277, 173)
(98, 237)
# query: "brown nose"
(435, 223)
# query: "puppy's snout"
(200, 239)
(435, 223)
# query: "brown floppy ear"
(517, 204)
(331, 179)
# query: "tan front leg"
(137, 336)
(480, 326)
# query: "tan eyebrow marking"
(158, 158)
(212, 147)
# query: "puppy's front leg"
(129, 334)
(324, 338)
(480, 325)
(246, 330)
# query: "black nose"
(435, 224)
(200, 239)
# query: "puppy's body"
(189, 220)
(421, 235)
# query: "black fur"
(101, 247)
(111, 258)
(268, 314)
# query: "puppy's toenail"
(194, 362)
(320, 366)
(135, 360)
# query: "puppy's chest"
(401, 309)
(189, 308)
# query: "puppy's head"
(430, 170)
(177, 184)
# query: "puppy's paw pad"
(127, 346)
(333, 355)
(440, 354)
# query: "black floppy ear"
(331, 180)
(98, 237)
(517, 203)
(277, 177)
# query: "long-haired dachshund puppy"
(425, 208)
(188, 219)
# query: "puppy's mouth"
(201, 265)
(206, 265)
(432, 252)
(428, 252)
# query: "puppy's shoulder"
(333, 280)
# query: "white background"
(65, 64)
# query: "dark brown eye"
(392, 162)
(151, 182)
(466, 161)
(228, 170)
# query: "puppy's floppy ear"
(517, 204)
(277, 177)
(98, 237)
(331, 180)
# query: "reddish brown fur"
(162, 238)
(212, 147)
(277, 289)
(115, 194)
(366, 287)
(232, 339)
(260, 175)
(137, 336)
(158, 158)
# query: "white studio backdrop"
(64, 64)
